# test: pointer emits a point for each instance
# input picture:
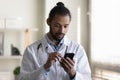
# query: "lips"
(60, 35)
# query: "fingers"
(51, 59)
(68, 66)
(72, 62)
(67, 63)
(54, 56)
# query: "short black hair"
(59, 9)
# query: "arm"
(83, 71)
(78, 69)
(28, 71)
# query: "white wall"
(27, 10)
(85, 25)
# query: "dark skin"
(58, 29)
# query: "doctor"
(44, 59)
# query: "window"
(105, 31)
(105, 39)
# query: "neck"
(52, 39)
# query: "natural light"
(105, 31)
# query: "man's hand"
(51, 59)
(68, 66)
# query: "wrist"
(46, 67)
(72, 75)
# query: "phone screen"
(70, 55)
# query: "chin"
(60, 39)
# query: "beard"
(57, 36)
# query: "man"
(44, 59)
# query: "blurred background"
(95, 25)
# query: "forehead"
(64, 19)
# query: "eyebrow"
(60, 24)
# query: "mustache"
(60, 33)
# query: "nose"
(62, 29)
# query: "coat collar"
(66, 41)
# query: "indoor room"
(94, 25)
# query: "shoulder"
(74, 46)
(35, 45)
(72, 43)
(78, 49)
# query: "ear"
(48, 21)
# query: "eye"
(66, 26)
(56, 25)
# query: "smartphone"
(70, 55)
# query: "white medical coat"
(35, 56)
